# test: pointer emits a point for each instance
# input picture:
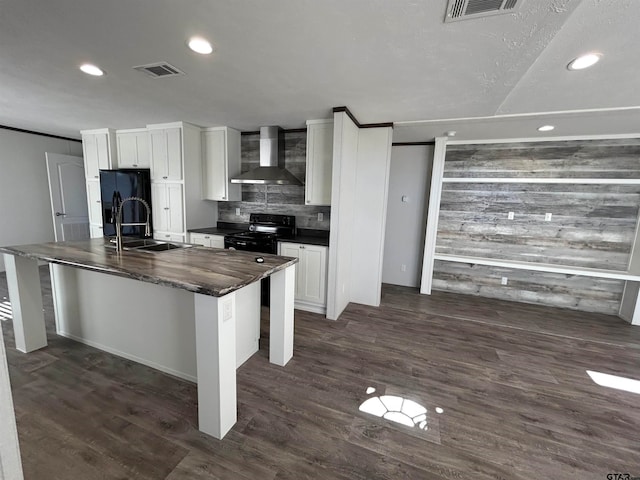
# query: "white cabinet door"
(168, 208)
(217, 241)
(97, 153)
(169, 237)
(176, 208)
(215, 165)
(289, 250)
(133, 149)
(95, 231)
(94, 202)
(311, 274)
(159, 207)
(221, 162)
(312, 285)
(199, 239)
(166, 154)
(319, 162)
(207, 240)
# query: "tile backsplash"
(281, 199)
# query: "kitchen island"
(193, 312)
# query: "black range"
(263, 234)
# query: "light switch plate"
(547, 217)
(320, 216)
(510, 215)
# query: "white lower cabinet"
(168, 210)
(95, 231)
(311, 275)
(169, 237)
(207, 240)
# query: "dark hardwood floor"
(509, 379)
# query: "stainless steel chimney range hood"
(271, 170)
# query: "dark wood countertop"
(208, 271)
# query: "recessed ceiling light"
(200, 45)
(546, 128)
(90, 69)
(584, 61)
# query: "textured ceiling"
(287, 61)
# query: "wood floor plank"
(508, 379)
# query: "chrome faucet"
(119, 224)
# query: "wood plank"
(510, 378)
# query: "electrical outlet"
(227, 310)
(238, 211)
(547, 217)
(504, 280)
(320, 216)
(403, 268)
(510, 215)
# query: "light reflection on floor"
(6, 312)
(614, 381)
(397, 409)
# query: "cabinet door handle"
(135, 165)
(61, 214)
(165, 177)
(207, 237)
(224, 198)
(301, 246)
(166, 208)
(96, 176)
(98, 201)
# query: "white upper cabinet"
(221, 162)
(99, 151)
(166, 154)
(133, 148)
(317, 189)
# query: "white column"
(25, 294)
(216, 363)
(283, 285)
(433, 212)
(10, 464)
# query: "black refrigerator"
(116, 186)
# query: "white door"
(68, 197)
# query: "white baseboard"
(128, 356)
(308, 307)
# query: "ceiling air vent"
(159, 70)
(468, 9)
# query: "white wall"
(410, 176)
(361, 159)
(370, 214)
(25, 209)
(345, 157)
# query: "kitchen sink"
(161, 247)
(149, 245)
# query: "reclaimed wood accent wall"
(282, 199)
(591, 225)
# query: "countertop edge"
(156, 280)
